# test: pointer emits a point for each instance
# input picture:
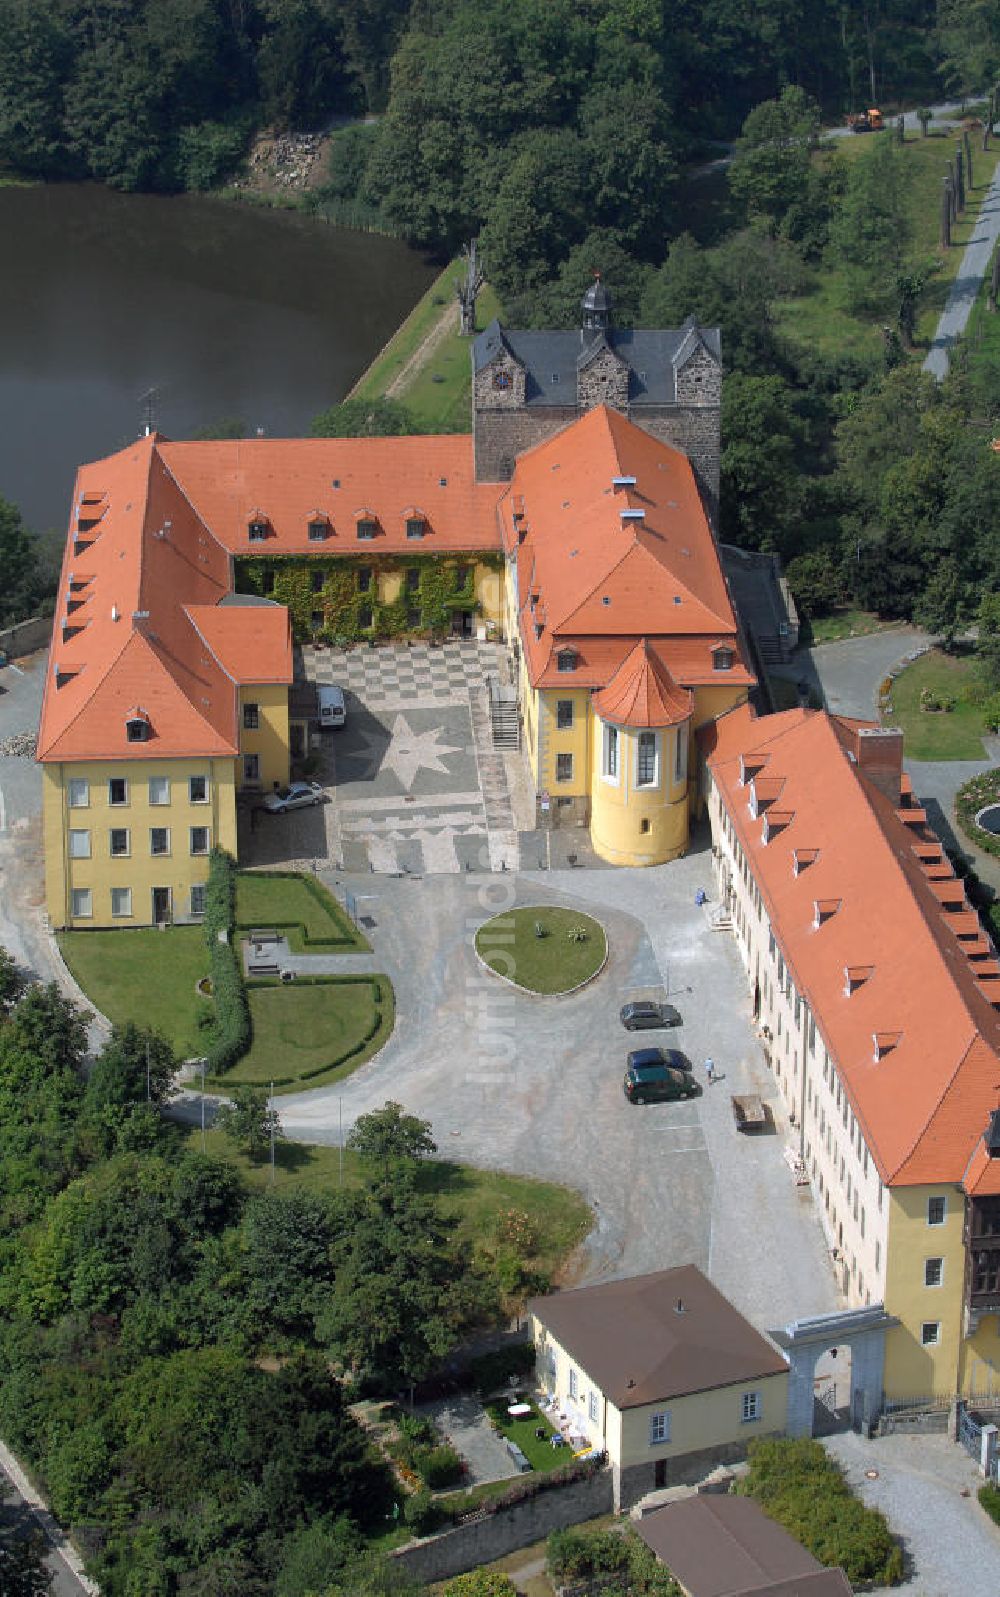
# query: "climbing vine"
(337, 610)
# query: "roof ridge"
(187, 608)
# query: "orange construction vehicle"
(869, 121)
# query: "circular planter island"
(543, 949)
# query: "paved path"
(62, 1561)
(847, 674)
(954, 1547)
(968, 281)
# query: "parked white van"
(332, 709)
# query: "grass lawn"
(821, 319)
(437, 392)
(313, 915)
(550, 964)
(840, 624)
(937, 735)
(473, 1198)
(313, 1032)
(146, 976)
(541, 1455)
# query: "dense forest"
(168, 1334)
(602, 97)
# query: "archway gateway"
(861, 1332)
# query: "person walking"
(710, 1071)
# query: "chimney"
(878, 751)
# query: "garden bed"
(543, 949)
(972, 797)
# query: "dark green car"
(657, 1084)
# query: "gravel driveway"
(954, 1547)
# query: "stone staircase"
(505, 724)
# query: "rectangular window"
(680, 754)
(159, 790)
(199, 840)
(646, 762)
(118, 845)
(317, 620)
(592, 1406)
(413, 615)
(83, 907)
(412, 579)
(659, 1429)
(574, 1382)
(318, 579)
(365, 617)
(318, 531)
(644, 824)
(79, 845)
(79, 793)
(197, 898)
(267, 582)
(564, 714)
(364, 579)
(159, 840)
(930, 1333)
(461, 577)
(117, 790)
(610, 765)
(933, 1272)
(251, 767)
(251, 717)
(366, 530)
(564, 767)
(935, 1211)
(121, 901)
(878, 1255)
(414, 527)
(751, 1407)
(257, 531)
(198, 789)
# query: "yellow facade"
(633, 822)
(264, 736)
(135, 836)
(564, 723)
(692, 1423)
(926, 1355)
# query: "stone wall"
(465, 1547)
(603, 381)
(25, 636)
(686, 1470)
(501, 434)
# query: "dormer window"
(319, 527)
(566, 660)
(855, 976)
(722, 658)
(416, 526)
(367, 527)
(137, 727)
(257, 526)
(883, 1042)
(824, 909)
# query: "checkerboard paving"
(418, 787)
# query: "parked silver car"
(297, 796)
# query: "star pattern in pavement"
(406, 753)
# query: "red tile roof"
(288, 481)
(123, 632)
(612, 560)
(642, 693)
(924, 1104)
(252, 643)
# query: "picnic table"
(748, 1111)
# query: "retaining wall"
(465, 1547)
(25, 636)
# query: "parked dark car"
(672, 1058)
(658, 1084)
(645, 1016)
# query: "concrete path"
(847, 674)
(62, 1561)
(952, 1544)
(965, 288)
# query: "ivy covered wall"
(337, 610)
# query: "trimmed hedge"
(799, 1485)
(232, 1012)
(989, 1497)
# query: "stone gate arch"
(803, 1341)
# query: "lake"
(224, 310)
